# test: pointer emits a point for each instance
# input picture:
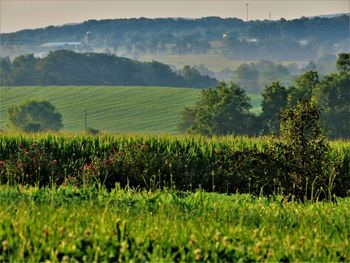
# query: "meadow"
(112, 109)
(71, 224)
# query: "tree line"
(65, 67)
(226, 109)
(298, 39)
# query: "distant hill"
(64, 67)
(297, 39)
(113, 109)
(331, 15)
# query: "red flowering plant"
(106, 170)
(32, 164)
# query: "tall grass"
(90, 225)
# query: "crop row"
(228, 164)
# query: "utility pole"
(85, 120)
(247, 11)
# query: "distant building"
(60, 44)
(52, 46)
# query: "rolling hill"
(110, 108)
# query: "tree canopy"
(35, 116)
(223, 110)
(66, 67)
(297, 39)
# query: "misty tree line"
(226, 109)
(298, 39)
(65, 67)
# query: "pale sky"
(23, 14)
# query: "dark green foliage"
(35, 116)
(92, 131)
(333, 96)
(223, 110)
(307, 152)
(221, 165)
(343, 62)
(274, 100)
(305, 87)
(66, 67)
(191, 75)
(5, 68)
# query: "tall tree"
(223, 110)
(333, 96)
(274, 100)
(305, 87)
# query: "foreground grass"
(91, 225)
(113, 109)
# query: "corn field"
(224, 164)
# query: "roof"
(57, 44)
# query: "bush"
(307, 151)
(35, 116)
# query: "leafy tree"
(35, 116)
(64, 67)
(333, 96)
(305, 87)
(247, 76)
(274, 100)
(23, 71)
(5, 68)
(194, 79)
(307, 151)
(223, 110)
(343, 62)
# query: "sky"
(27, 14)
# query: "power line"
(247, 11)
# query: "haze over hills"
(297, 40)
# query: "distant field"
(114, 109)
(213, 62)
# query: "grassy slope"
(115, 109)
(69, 224)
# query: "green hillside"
(114, 109)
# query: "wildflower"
(46, 231)
(123, 247)
(257, 248)
(217, 236)
(192, 240)
(5, 245)
(198, 254)
(226, 241)
(121, 154)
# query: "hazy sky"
(21, 14)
